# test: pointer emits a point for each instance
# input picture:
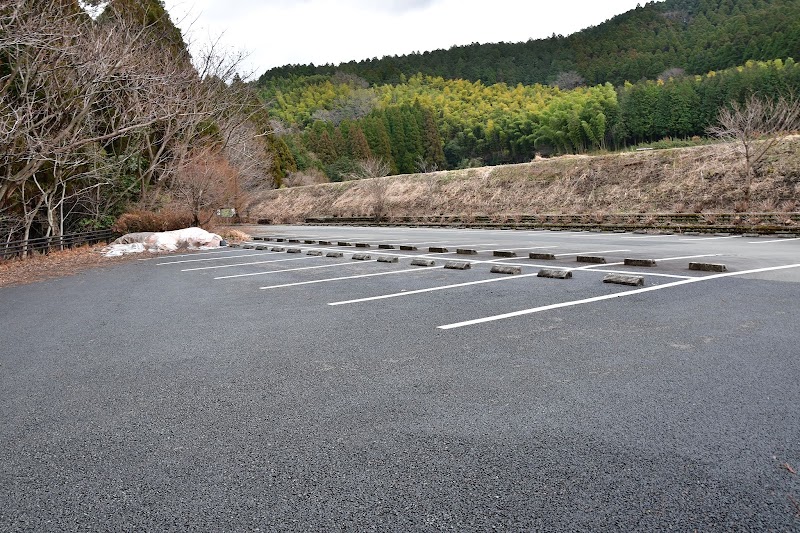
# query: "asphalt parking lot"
(261, 389)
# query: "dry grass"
(229, 234)
(55, 265)
(40, 267)
(702, 179)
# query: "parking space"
(366, 266)
(298, 383)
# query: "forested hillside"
(103, 115)
(432, 123)
(694, 35)
(656, 74)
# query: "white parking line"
(214, 258)
(326, 280)
(710, 238)
(649, 237)
(687, 257)
(226, 250)
(609, 296)
(590, 253)
(776, 240)
(598, 265)
(432, 289)
(248, 264)
(656, 275)
(286, 270)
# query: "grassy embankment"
(704, 179)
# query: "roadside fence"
(44, 245)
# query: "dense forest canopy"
(659, 71)
(694, 35)
(432, 123)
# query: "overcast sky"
(281, 32)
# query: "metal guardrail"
(704, 222)
(9, 250)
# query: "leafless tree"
(357, 104)
(568, 80)
(674, 72)
(755, 128)
(205, 181)
(372, 171)
(91, 110)
(423, 166)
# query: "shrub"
(230, 234)
(137, 221)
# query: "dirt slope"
(704, 179)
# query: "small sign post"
(226, 212)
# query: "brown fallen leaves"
(54, 265)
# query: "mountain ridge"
(693, 35)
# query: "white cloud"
(280, 32)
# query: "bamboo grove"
(429, 122)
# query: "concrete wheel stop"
(423, 262)
(505, 269)
(640, 262)
(458, 265)
(554, 273)
(541, 256)
(623, 279)
(708, 267)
